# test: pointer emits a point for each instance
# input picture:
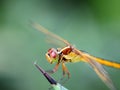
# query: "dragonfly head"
(52, 55)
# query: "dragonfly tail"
(108, 63)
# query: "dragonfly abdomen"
(104, 61)
(108, 63)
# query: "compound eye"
(52, 53)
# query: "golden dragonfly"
(71, 54)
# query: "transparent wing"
(98, 69)
(55, 39)
(103, 74)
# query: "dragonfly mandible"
(71, 54)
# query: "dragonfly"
(71, 54)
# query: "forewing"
(55, 38)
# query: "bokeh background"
(90, 25)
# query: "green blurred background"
(90, 25)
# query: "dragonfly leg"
(65, 70)
(54, 69)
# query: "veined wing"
(98, 69)
(48, 33)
